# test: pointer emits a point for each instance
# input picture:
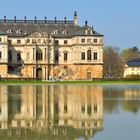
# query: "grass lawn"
(73, 82)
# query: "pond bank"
(99, 82)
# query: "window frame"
(83, 55)
(18, 41)
(89, 55)
(39, 55)
(0, 55)
(95, 40)
(65, 56)
(95, 56)
(83, 40)
(65, 42)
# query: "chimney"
(45, 20)
(55, 19)
(86, 23)
(65, 19)
(75, 18)
(25, 19)
(5, 19)
(35, 19)
(15, 19)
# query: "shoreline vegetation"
(94, 82)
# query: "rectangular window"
(50, 41)
(65, 56)
(89, 109)
(18, 56)
(10, 56)
(56, 42)
(65, 108)
(95, 109)
(38, 55)
(95, 55)
(56, 108)
(65, 42)
(65, 67)
(88, 40)
(95, 40)
(83, 55)
(18, 41)
(0, 39)
(28, 56)
(83, 124)
(56, 56)
(83, 108)
(33, 41)
(0, 55)
(28, 40)
(10, 41)
(82, 40)
(95, 124)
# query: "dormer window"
(88, 32)
(65, 32)
(18, 31)
(9, 31)
(56, 32)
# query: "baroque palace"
(48, 49)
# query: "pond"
(69, 112)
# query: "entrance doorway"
(39, 73)
(89, 75)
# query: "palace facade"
(48, 49)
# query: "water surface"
(69, 112)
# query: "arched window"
(65, 32)
(18, 31)
(9, 31)
(38, 55)
(56, 32)
(89, 55)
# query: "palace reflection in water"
(50, 111)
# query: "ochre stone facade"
(50, 49)
(3, 70)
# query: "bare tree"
(112, 62)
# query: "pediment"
(38, 35)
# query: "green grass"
(73, 82)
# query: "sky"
(117, 20)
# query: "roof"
(27, 27)
(134, 62)
(2, 33)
